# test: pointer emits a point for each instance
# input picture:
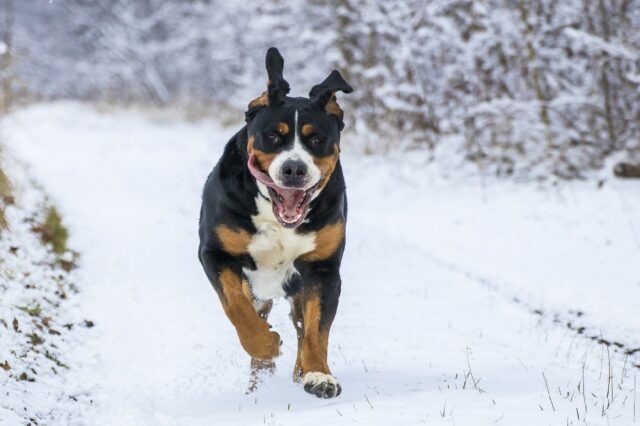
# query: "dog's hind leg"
(317, 304)
(297, 317)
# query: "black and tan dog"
(272, 223)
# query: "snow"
(428, 329)
(553, 248)
(584, 38)
(39, 322)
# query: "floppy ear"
(323, 95)
(277, 86)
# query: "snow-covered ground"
(455, 303)
(39, 320)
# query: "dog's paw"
(263, 346)
(321, 385)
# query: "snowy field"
(463, 302)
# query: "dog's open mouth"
(290, 205)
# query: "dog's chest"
(274, 249)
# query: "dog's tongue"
(291, 199)
(259, 174)
(286, 200)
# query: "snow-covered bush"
(532, 87)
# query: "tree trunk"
(535, 74)
(604, 81)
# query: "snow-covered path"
(413, 320)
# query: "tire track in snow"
(574, 320)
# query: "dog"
(273, 220)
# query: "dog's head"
(293, 143)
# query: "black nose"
(294, 173)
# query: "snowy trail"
(409, 328)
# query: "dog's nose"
(294, 173)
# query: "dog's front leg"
(254, 332)
(255, 335)
(313, 310)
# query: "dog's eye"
(316, 140)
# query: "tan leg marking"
(313, 353)
(246, 290)
(297, 317)
(253, 331)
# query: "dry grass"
(6, 197)
(52, 231)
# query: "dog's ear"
(323, 95)
(277, 86)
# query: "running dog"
(272, 223)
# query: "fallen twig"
(546, 383)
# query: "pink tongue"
(259, 174)
(291, 196)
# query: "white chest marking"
(274, 248)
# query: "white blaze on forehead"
(296, 152)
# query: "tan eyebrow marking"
(307, 129)
(283, 128)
